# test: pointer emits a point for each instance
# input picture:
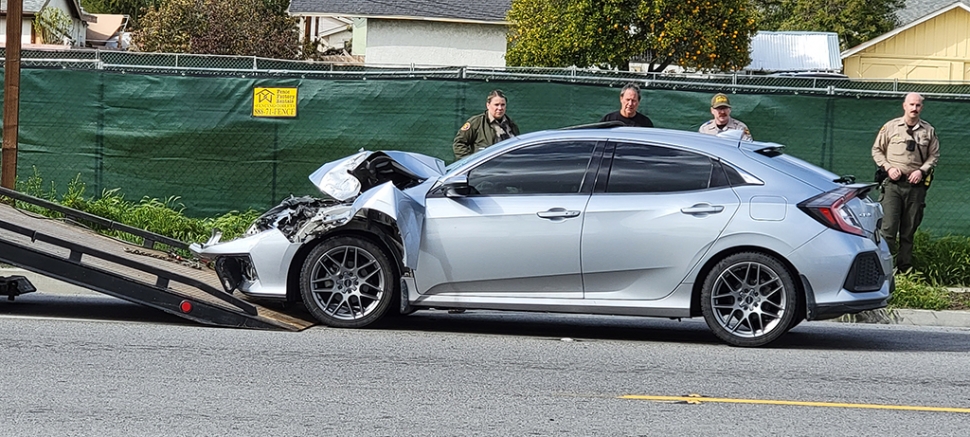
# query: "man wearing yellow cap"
(721, 110)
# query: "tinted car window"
(641, 168)
(548, 168)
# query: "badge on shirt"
(466, 126)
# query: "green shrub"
(944, 260)
(164, 217)
(913, 291)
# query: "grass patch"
(161, 216)
(942, 260)
(913, 291)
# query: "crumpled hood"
(348, 177)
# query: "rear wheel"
(347, 282)
(748, 299)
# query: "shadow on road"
(87, 307)
(556, 326)
(807, 336)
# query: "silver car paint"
(642, 226)
(454, 269)
(271, 254)
(523, 254)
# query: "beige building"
(933, 46)
(416, 32)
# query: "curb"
(906, 316)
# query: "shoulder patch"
(747, 132)
(466, 126)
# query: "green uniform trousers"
(902, 206)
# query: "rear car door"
(517, 233)
(651, 219)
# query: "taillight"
(830, 209)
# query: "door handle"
(702, 209)
(558, 213)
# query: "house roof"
(32, 7)
(920, 20)
(795, 51)
(487, 11)
(916, 9)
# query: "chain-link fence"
(249, 66)
(161, 125)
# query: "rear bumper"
(822, 311)
(831, 311)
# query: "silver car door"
(656, 218)
(517, 233)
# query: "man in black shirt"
(629, 102)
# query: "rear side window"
(641, 168)
(547, 168)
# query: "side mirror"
(457, 187)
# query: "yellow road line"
(700, 399)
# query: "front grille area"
(232, 270)
(866, 273)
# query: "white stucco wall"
(24, 31)
(360, 36)
(405, 42)
(78, 30)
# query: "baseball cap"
(720, 100)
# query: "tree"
(220, 27)
(132, 8)
(53, 25)
(856, 21)
(698, 34)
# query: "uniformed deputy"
(484, 130)
(907, 148)
(721, 110)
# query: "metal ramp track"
(138, 274)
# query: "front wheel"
(748, 299)
(347, 282)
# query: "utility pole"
(11, 95)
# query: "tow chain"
(171, 257)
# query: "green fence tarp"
(195, 136)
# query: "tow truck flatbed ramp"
(139, 274)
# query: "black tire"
(347, 282)
(749, 299)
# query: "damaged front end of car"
(368, 190)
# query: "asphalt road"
(97, 366)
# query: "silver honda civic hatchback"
(595, 220)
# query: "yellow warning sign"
(274, 102)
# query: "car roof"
(703, 143)
(728, 147)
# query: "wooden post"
(11, 95)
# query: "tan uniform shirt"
(711, 128)
(890, 147)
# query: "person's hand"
(915, 177)
(894, 173)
